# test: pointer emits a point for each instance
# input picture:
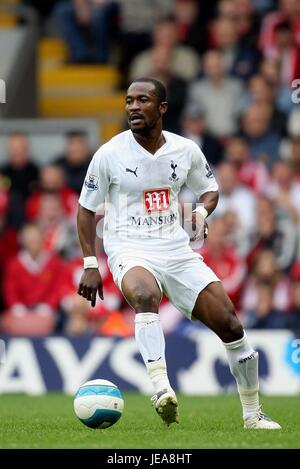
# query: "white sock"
(151, 343)
(243, 363)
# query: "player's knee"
(145, 301)
(232, 328)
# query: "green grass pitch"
(205, 422)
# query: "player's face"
(143, 108)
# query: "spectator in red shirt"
(223, 260)
(251, 173)
(279, 29)
(52, 180)
(8, 238)
(32, 280)
(288, 10)
(59, 234)
(266, 273)
(81, 317)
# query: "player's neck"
(151, 141)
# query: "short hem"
(189, 315)
(131, 266)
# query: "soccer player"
(139, 173)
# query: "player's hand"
(201, 226)
(91, 283)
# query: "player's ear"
(163, 107)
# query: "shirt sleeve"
(96, 183)
(200, 178)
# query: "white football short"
(181, 277)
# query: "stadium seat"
(7, 17)
(67, 90)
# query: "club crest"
(173, 176)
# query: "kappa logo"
(157, 200)
(91, 182)
(173, 176)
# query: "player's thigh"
(214, 308)
(141, 290)
(184, 278)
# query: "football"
(98, 403)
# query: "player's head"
(145, 104)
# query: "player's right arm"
(91, 281)
(94, 191)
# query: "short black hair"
(160, 89)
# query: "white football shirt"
(140, 191)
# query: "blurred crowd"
(231, 69)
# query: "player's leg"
(214, 308)
(141, 290)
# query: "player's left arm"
(202, 182)
(209, 201)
